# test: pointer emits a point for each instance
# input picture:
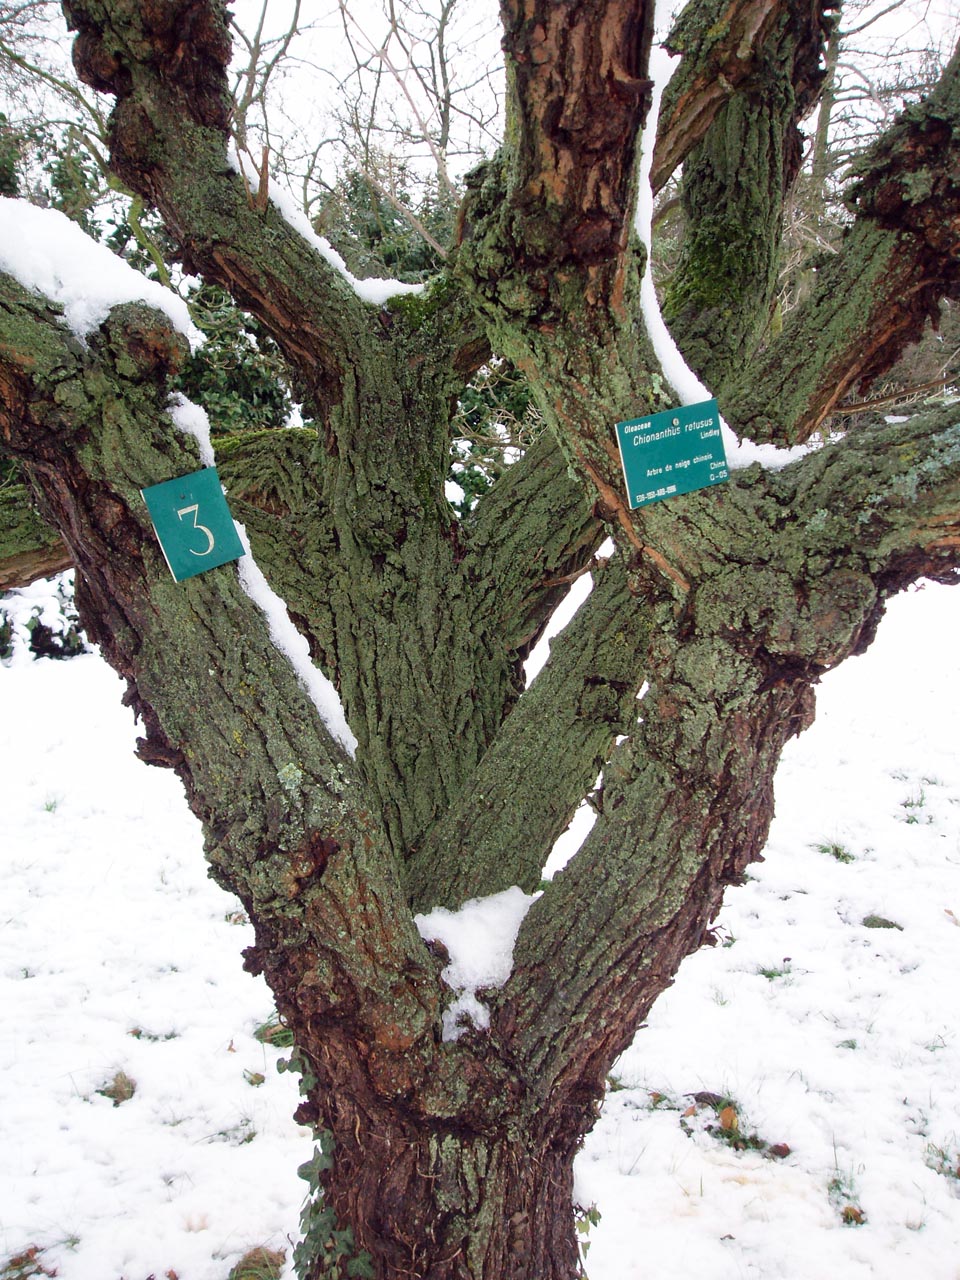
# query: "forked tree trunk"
(452, 1160)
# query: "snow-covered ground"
(822, 1031)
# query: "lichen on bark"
(453, 1159)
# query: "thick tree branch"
(578, 94)
(533, 529)
(724, 44)
(165, 65)
(718, 300)
(870, 301)
(652, 870)
(888, 495)
(545, 757)
(546, 254)
(271, 482)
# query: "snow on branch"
(49, 254)
(479, 939)
(689, 388)
(375, 290)
(294, 648)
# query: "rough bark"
(724, 46)
(29, 549)
(525, 790)
(452, 1159)
(735, 181)
(900, 256)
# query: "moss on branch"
(29, 548)
(897, 260)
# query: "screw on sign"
(193, 523)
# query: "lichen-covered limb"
(719, 299)
(288, 823)
(896, 261)
(546, 756)
(886, 500)
(791, 571)
(723, 44)
(165, 65)
(29, 549)
(533, 533)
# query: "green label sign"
(672, 453)
(193, 522)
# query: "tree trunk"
(443, 1157)
(442, 1201)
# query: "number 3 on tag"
(200, 528)
(193, 523)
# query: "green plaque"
(193, 522)
(671, 453)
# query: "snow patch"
(294, 647)
(689, 388)
(479, 939)
(50, 255)
(45, 602)
(192, 420)
(375, 290)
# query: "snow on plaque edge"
(376, 290)
(50, 255)
(739, 453)
(192, 419)
(479, 938)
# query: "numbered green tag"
(671, 453)
(193, 522)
